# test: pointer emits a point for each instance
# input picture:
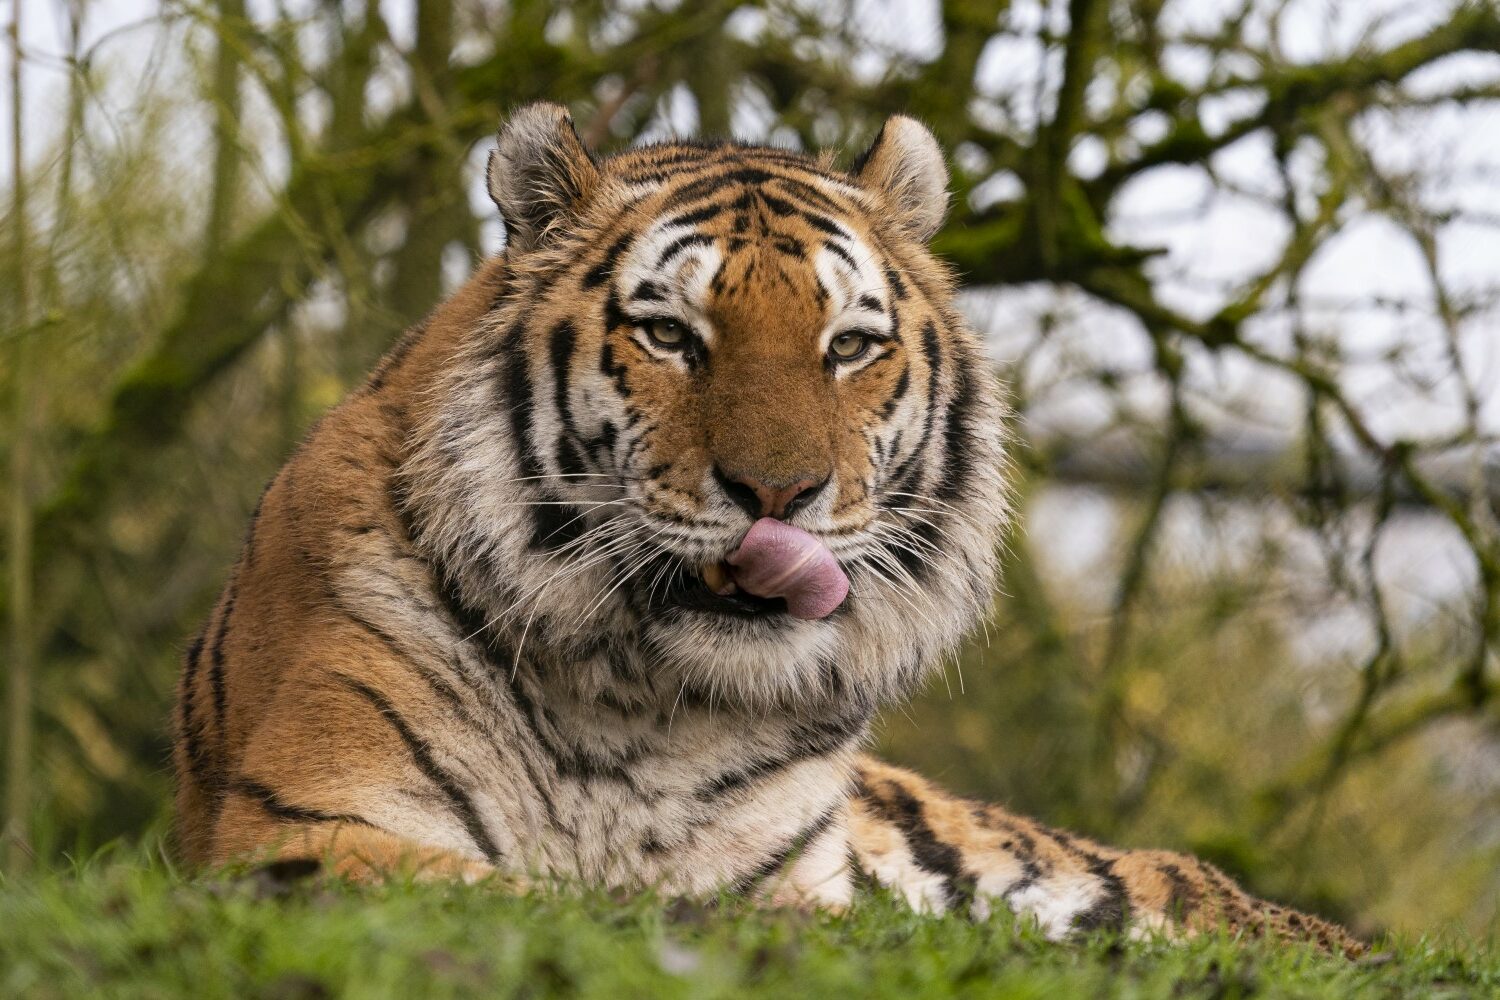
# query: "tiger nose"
(759, 498)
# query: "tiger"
(602, 575)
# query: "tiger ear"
(539, 172)
(905, 166)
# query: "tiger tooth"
(717, 579)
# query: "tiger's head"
(694, 339)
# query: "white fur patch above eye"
(680, 287)
(851, 275)
(856, 289)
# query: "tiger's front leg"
(944, 853)
(350, 849)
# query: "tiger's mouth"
(776, 569)
(712, 588)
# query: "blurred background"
(1239, 260)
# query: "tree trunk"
(434, 199)
(18, 753)
(226, 100)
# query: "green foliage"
(129, 930)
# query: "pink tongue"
(778, 560)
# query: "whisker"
(594, 560)
(932, 500)
(582, 539)
(643, 545)
(567, 476)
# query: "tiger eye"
(849, 346)
(665, 332)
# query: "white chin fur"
(743, 660)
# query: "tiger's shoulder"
(329, 525)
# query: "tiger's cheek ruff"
(563, 452)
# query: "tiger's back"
(501, 612)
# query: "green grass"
(137, 930)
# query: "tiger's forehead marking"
(760, 230)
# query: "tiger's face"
(694, 339)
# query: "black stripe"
(518, 402)
(787, 209)
(551, 527)
(789, 246)
(569, 761)
(678, 171)
(823, 736)
(903, 811)
(216, 657)
(472, 623)
(904, 478)
(1182, 900)
(560, 345)
(1112, 908)
(858, 166)
(742, 776)
(1032, 870)
(602, 445)
(697, 216)
(864, 881)
(934, 359)
(555, 526)
(600, 272)
(189, 728)
(804, 838)
(932, 351)
(715, 178)
(807, 192)
(250, 529)
(614, 319)
(717, 181)
(809, 740)
(841, 254)
(893, 278)
(825, 224)
(458, 799)
(958, 464)
(394, 358)
(680, 244)
(476, 628)
(777, 205)
(903, 383)
(570, 462)
(435, 681)
(276, 806)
